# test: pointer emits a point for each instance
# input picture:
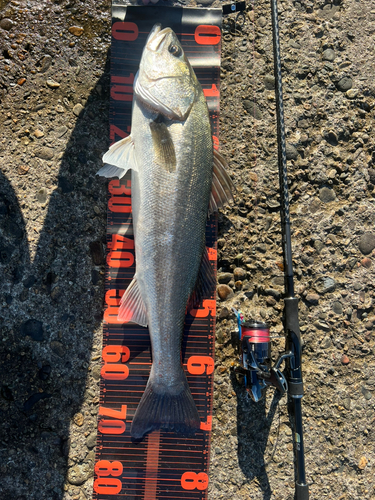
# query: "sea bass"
(177, 179)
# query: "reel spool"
(255, 359)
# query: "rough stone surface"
(367, 243)
(50, 369)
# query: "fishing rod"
(255, 336)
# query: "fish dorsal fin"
(119, 159)
(222, 185)
(163, 146)
(132, 307)
(206, 281)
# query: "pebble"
(97, 253)
(38, 133)
(224, 313)
(328, 55)
(224, 278)
(273, 293)
(261, 247)
(262, 22)
(239, 274)
(252, 109)
(60, 131)
(367, 243)
(42, 195)
(291, 152)
(59, 108)
(272, 203)
(321, 325)
(78, 419)
(337, 307)
(314, 205)
(325, 284)
(352, 93)
(22, 169)
(366, 262)
(278, 281)
(79, 474)
(96, 372)
(269, 82)
(6, 24)
(29, 281)
(45, 63)
(347, 403)
(312, 298)
(33, 328)
(78, 108)
(345, 359)
(270, 301)
(52, 84)
(366, 393)
(326, 194)
(91, 440)
(56, 292)
(345, 84)
(224, 292)
(57, 348)
(21, 81)
(45, 153)
(76, 30)
(362, 463)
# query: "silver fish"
(177, 179)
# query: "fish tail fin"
(167, 408)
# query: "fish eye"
(175, 50)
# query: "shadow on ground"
(253, 428)
(51, 306)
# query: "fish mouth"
(156, 37)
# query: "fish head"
(166, 82)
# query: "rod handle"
(302, 492)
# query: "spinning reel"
(255, 359)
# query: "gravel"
(54, 92)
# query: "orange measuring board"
(163, 465)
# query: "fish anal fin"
(132, 307)
(119, 159)
(222, 185)
(206, 282)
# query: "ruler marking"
(152, 465)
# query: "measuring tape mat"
(163, 465)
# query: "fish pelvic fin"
(132, 308)
(167, 408)
(222, 185)
(119, 159)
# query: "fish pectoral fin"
(119, 159)
(222, 185)
(163, 146)
(132, 308)
(110, 171)
(206, 281)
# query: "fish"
(177, 180)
